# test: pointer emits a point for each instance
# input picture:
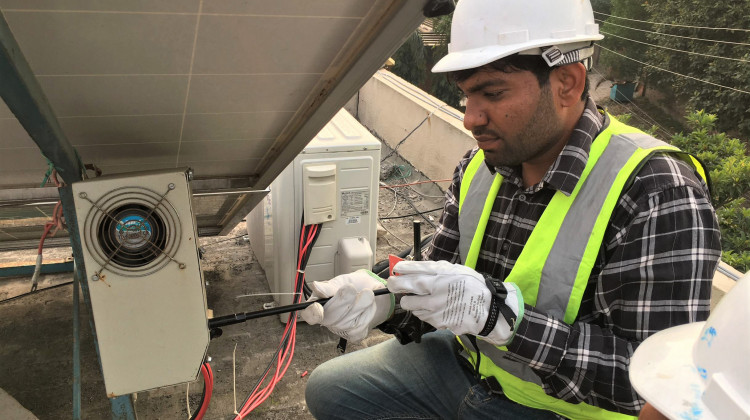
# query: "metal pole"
(417, 240)
(21, 92)
(76, 350)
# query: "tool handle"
(240, 317)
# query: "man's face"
(512, 118)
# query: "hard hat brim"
(663, 373)
(477, 57)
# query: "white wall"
(392, 107)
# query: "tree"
(618, 36)
(414, 60)
(733, 106)
(729, 168)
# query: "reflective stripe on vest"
(556, 262)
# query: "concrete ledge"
(722, 282)
(393, 107)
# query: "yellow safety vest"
(556, 262)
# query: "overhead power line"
(675, 25)
(742, 60)
(675, 73)
(672, 35)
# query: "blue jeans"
(413, 381)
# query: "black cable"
(412, 214)
(303, 233)
(405, 138)
(413, 206)
(381, 268)
(36, 291)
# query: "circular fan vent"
(132, 231)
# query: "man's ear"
(568, 82)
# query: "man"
(567, 238)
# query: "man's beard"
(541, 133)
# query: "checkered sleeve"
(657, 262)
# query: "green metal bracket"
(28, 270)
(24, 96)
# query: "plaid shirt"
(653, 270)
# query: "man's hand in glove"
(353, 309)
(457, 298)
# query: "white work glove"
(353, 309)
(457, 298)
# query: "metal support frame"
(28, 270)
(26, 100)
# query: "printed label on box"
(355, 203)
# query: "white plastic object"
(353, 254)
(274, 225)
(700, 370)
(486, 30)
(319, 183)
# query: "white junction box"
(143, 274)
(335, 181)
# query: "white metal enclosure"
(144, 278)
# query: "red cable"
(56, 222)
(286, 354)
(208, 379)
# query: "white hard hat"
(561, 31)
(700, 370)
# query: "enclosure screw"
(82, 195)
(181, 265)
(95, 277)
(170, 186)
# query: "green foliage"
(725, 157)
(415, 60)
(625, 119)
(410, 60)
(728, 164)
(733, 106)
(602, 6)
(734, 220)
(614, 30)
(729, 167)
(731, 180)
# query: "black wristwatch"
(497, 307)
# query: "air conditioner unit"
(147, 293)
(334, 181)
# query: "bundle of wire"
(57, 223)
(285, 352)
(208, 389)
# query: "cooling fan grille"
(132, 231)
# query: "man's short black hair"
(533, 63)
